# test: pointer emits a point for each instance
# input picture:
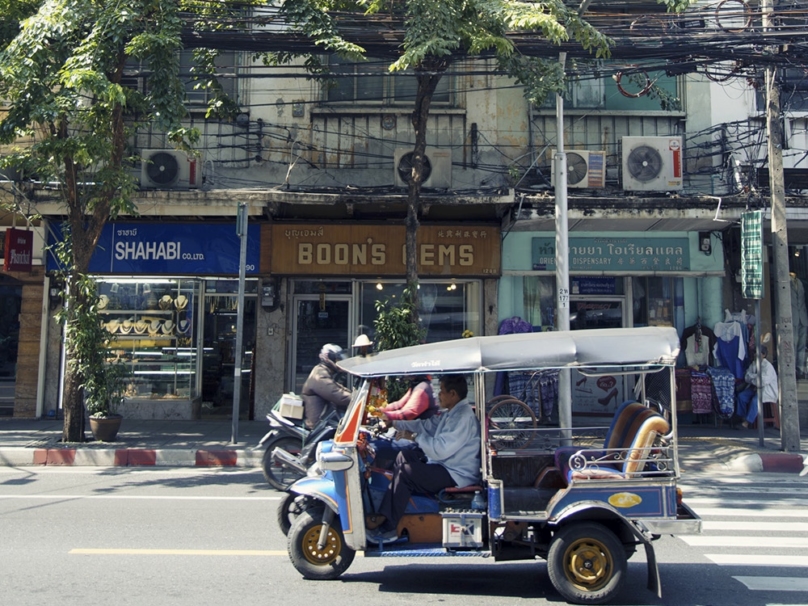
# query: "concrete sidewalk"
(26, 442)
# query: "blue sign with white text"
(171, 248)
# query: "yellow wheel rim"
(330, 551)
(588, 564)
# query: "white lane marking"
(121, 470)
(751, 513)
(183, 552)
(757, 560)
(758, 526)
(65, 497)
(774, 583)
(745, 503)
(745, 541)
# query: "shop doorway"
(220, 313)
(10, 305)
(318, 320)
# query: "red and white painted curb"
(780, 462)
(129, 457)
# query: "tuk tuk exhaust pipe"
(282, 457)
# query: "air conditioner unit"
(168, 169)
(585, 169)
(437, 168)
(652, 163)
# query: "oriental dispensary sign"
(615, 254)
(378, 250)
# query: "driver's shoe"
(382, 537)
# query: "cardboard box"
(291, 406)
(462, 529)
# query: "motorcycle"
(290, 447)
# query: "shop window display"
(152, 322)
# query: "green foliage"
(396, 326)
(87, 340)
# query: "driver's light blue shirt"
(451, 439)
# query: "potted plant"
(103, 391)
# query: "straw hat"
(362, 341)
(181, 302)
(165, 302)
(168, 327)
(103, 301)
(141, 326)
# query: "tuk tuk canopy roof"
(527, 351)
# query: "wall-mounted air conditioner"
(585, 169)
(168, 169)
(437, 167)
(652, 163)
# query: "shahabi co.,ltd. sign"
(615, 254)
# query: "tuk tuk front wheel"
(586, 563)
(311, 560)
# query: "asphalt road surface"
(125, 536)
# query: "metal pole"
(241, 230)
(784, 322)
(562, 254)
(761, 439)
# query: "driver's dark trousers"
(411, 474)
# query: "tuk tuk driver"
(448, 455)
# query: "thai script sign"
(361, 249)
(173, 248)
(624, 253)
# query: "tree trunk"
(428, 77)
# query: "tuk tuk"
(582, 494)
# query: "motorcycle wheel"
(278, 476)
(289, 509)
(308, 558)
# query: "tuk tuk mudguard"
(322, 488)
(598, 511)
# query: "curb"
(770, 463)
(127, 457)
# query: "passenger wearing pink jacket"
(417, 403)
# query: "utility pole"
(786, 359)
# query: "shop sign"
(624, 253)
(593, 286)
(18, 251)
(172, 248)
(457, 250)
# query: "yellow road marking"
(183, 552)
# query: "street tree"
(61, 84)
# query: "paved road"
(95, 536)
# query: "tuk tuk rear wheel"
(586, 563)
(313, 562)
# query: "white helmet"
(332, 353)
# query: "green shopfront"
(617, 279)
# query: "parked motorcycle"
(290, 447)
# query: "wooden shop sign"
(378, 250)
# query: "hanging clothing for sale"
(693, 342)
(730, 346)
(509, 326)
(701, 392)
(724, 387)
(799, 319)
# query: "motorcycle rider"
(320, 389)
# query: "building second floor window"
(371, 82)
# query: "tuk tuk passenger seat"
(631, 433)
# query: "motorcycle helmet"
(332, 353)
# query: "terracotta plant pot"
(105, 429)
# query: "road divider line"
(744, 541)
(757, 560)
(759, 526)
(180, 552)
(750, 513)
(66, 497)
(774, 583)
